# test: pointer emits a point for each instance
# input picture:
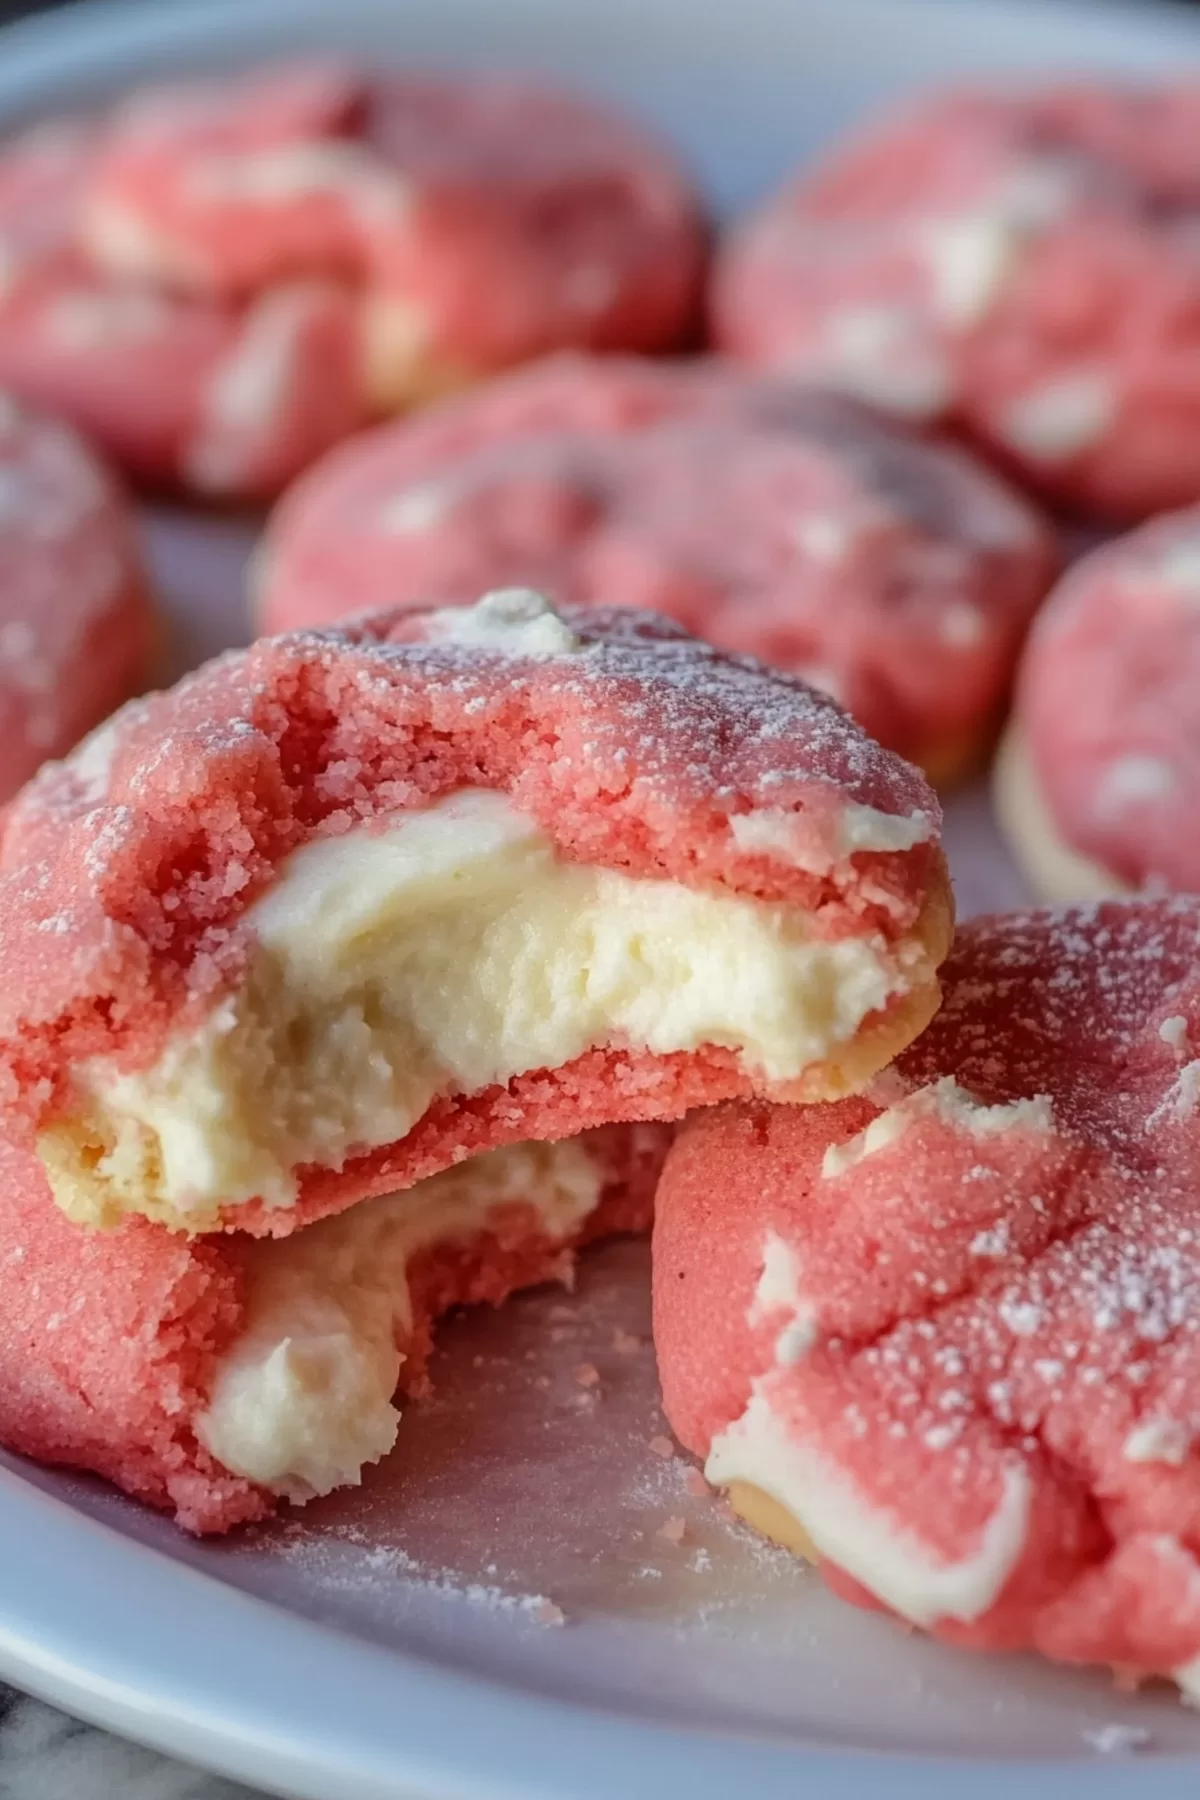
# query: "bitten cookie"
(1022, 262)
(76, 627)
(348, 906)
(894, 572)
(215, 1377)
(945, 1339)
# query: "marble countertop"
(46, 1756)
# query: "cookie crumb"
(587, 1375)
(546, 1613)
(672, 1531)
(662, 1446)
(695, 1484)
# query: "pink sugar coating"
(520, 217)
(76, 628)
(107, 1345)
(1104, 278)
(168, 160)
(1107, 703)
(575, 225)
(124, 871)
(686, 489)
(142, 371)
(329, 547)
(144, 374)
(41, 170)
(984, 1305)
(516, 217)
(109, 1341)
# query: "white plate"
(392, 1642)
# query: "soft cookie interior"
(303, 1397)
(217, 1376)
(350, 906)
(445, 952)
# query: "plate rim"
(168, 1690)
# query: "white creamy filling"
(778, 1290)
(1053, 423)
(792, 838)
(251, 389)
(1179, 567)
(889, 1560)
(511, 621)
(954, 1104)
(335, 168)
(416, 509)
(970, 259)
(303, 1398)
(439, 953)
(1158, 1441)
(123, 242)
(879, 354)
(972, 255)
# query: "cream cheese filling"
(440, 953)
(889, 1559)
(302, 1400)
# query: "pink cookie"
(946, 1339)
(223, 400)
(1097, 781)
(224, 186)
(216, 1377)
(485, 220)
(536, 221)
(1022, 262)
(76, 628)
(221, 279)
(42, 170)
(350, 905)
(891, 571)
(225, 403)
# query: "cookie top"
(1021, 261)
(487, 218)
(222, 186)
(1106, 704)
(894, 572)
(219, 279)
(971, 1300)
